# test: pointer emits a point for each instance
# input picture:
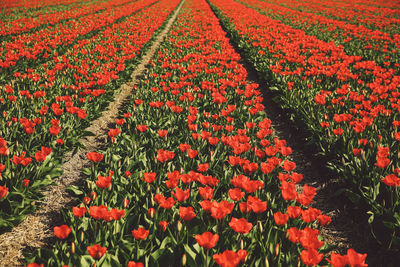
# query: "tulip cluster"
(340, 82)
(54, 81)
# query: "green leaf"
(109, 261)
(371, 218)
(74, 190)
(191, 255)
(87, 133)
(87, 260)
(87, 171)
(353, 197)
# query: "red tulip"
(192, 153)
(228, 258)
(142, 128)
(149, 177)
(324, 220)
(117, 214)
(207, 240)
(235, 194)
(311, 257)
(140, 233)
(135, 264)
(256, 205)
(25, 182)
(94, 156)
(241, 225)
(309, 238)
(356, 259)
(206, 192)
(3, 191)
(164, 155)
(163, 225)
(181, 195)
(96, 251)
(220, 210)
(162, 133)
(62, 231)
(35, 265)
(280, 218)
(338, 260)
(202, 167)
(103, 182)
(391, 180)
(242, 253)
(293, 211)
(78, 212)
(186, 213)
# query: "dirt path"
(37, 229)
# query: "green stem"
(206, 257)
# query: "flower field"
(192, 172)
(344, 92)
(45, 109)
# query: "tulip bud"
(363, 154)
(260, 226)
(82, 236)
(151, 212)
(271, 248)
(72, 247)
(266, 262)
(179, 226)
(94, 195)
(183, 261)
(126, 203)
(109, 188)
(86, 200)
(241, 244)
(277, 249)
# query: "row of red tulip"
(349, 105)
(18, 52)
(15, 6)
(372, 16)
(372, 43)
(45, 110)
(20, 21)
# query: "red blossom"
(207, 240)
(140, 233)
(94, 156)
(96, 251)
(62, 231)
(228, 258)
(241, 225)
(186, 213)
